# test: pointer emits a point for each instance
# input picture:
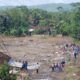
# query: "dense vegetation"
(16, 21)
(4, 73)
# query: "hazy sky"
(32, 2)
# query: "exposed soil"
(43, 49)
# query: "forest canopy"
(18, 20)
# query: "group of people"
(74, 47)
(76, 51)
(24, 65)
(58, 67)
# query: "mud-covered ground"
(44, 49)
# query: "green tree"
(76, 21)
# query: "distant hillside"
(53, 7)
(3, 8)
(48, 7)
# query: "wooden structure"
(3, 58)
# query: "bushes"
(18, 32)
(65, 33)
(4, 73)
(40, 31)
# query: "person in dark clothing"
(54, 68)
(63, 63)
(75, 55)
(25, 64)
(75, 52)
(66, 45)
(37, 70)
